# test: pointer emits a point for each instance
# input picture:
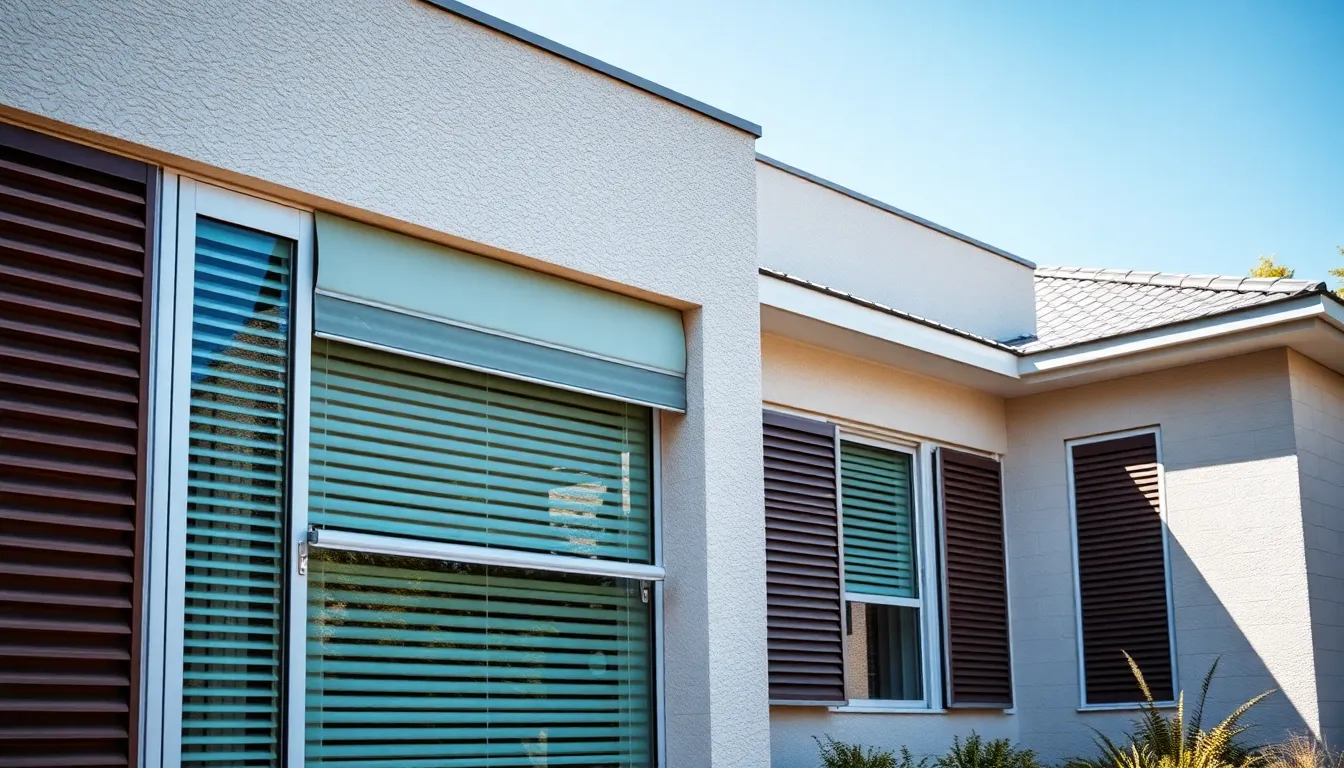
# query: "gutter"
(597, 65)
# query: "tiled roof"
(1076, 305)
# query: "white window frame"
(183, 199)
(925, 551)
(1156, 432)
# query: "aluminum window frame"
(1069, 444)
(182, 200)
(924, 524)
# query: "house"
(383, 385)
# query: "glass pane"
(422, 663)
(884, 653)
(235, 497)
(879, 532)
(409, 448)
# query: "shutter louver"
(979, 663)
(76, 235)
(804, 593)
(236, 497)
(1122, 574)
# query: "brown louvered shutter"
(75, 230)
(805, 621)
(979, 662)
(1122, 571)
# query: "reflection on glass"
(425, 663)
(883, 650)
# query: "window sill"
(878, 709)
(1124, 707)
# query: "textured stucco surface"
(1239, 574)
(829, 384)
(402, 110)
(819, 234)
(1318, 417)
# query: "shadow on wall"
(1239, 593)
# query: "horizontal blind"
(879, 531)
(979, 661)
(804, 598)
(76, 233)
(404, 447)
(1122, 574)
(427, 663)
(235, 497)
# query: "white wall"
(865, 395)
(1238, 568)
(397, 111)
(1318, 418)
(811, 231)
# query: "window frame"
(182, 199)
(1156, 432)
(928, 603)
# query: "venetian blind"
(236, 497)
(879, 532)
(404, 447)
(418, 662)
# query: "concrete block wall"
(1318, 419)
(1238, 569)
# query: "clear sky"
(1183, 137)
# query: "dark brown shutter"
(804, 596)
(1122, 571)
(979, 664)
(76, 227)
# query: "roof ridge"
(1180, 280)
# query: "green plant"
(838, 754)
(1171, 741)
(975, 752)
(1301, 750)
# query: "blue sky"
(1185, 137)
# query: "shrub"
(837, 754)
(1172, 741)
(1301, 750)
(975, 752)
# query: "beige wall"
(808, 378)
(1238, 570)
(397, 110)
(814, 232)
(1318, 417)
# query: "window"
(1120, 551)
(886, 608)
(444, 655)
(377, 558)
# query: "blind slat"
(236, 497)
(879, 532)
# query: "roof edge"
(803, 282)
(1228, 283)
(920, 220)
(597, 65)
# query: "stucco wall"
(1318, 416)
(826, 383)
(396, 108)
(833, 239)
(1238, 570)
